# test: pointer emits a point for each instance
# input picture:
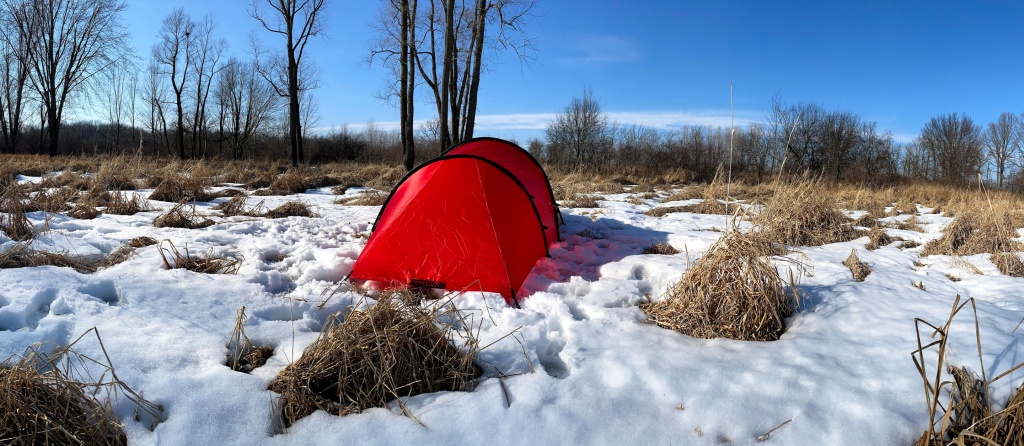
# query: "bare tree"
(205, 55)
(1002, 143)
(580, 136)
(296, 21)
(395, 47)
(122, 86)
(247, 103)
(453, 40)
(955, 144)
(172, 56)
(14, 72)
(71, 42)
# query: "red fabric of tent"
(461, 222)
(526, 168)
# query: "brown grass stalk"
(859, 269)
(206, 264)
(242, 355)
(180, 217)
(382, 353)
(961, 410)
(734, 291)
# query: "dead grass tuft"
(368, 198)
(120, 204)
(662, 211)
(859, 269)
(207, 264)
(802, 214)
(291, 209)
(581, 200)
(969, 416)
(13, 221)
(234, 206)
(734, 291)
(878, 238)
(1009, 264)
(376, 355)
(242, 355)
(977, 229)
(179, 217)
(909, 244)
(176, 188)
(661, 248)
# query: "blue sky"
(669, 63)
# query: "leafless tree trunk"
(400, 43)
(296, 21)
(73, 41)
(456, 35)
(206, 57)
(155, 98)
(173, 55)
(14, 55)
(1002, 143)
(247, 104)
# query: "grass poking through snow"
(734, 291)
(376, 355)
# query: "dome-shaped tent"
(470, 220)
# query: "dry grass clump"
(290, 209)
(176, 188)
(803, 214)
(976, 230)
(381, 176)
(68, 178)
(662, 211)
(686, 193)
(863, 198)
(580, 200)
(55, 399)
(1009, 263)
(968, 416)
(734, 291)
(243, 356)
(909, 244)
(207, 264)
(22, 256)
(713, 207)
(384, 352)
(859, 269)
(179, 217)
(52, 200)
(568, 186)
(120, 204)
(878, 238)
(116, 173)
(661, 248)
(13, 221)
(368, 198)
(234, 206)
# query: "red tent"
(476, 219)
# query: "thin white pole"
(732, 136)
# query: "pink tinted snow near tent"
(475, 219)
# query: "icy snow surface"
(842, 372)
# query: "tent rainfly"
(475, 219)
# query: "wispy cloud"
(601, 49)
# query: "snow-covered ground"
(593, 371)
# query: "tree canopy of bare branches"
(69, 43)
(296, 21)
(954, 144)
